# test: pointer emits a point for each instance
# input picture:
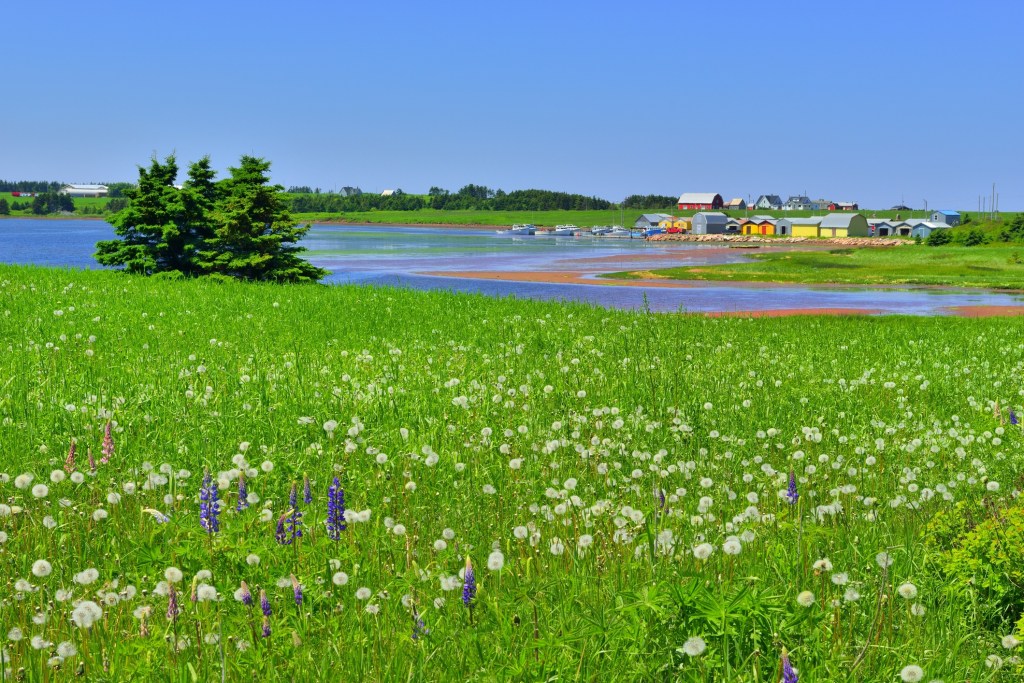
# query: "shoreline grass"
(993, 266)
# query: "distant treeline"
(649, 201)
(29, 185)
(470, 197)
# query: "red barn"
(700, 201)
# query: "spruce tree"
(254, 236)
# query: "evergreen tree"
(5, 209)
(149, 226)
(254, 236)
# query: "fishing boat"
(619, 231)
(600, 230)
(520, 229)
(566, 231)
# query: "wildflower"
(206, 593)
(788, 673)
(339, 578)
(911, 673)
(266, 627)
(297, 591)
(907, 591)
(252, 559)
(280, 534)
(173, 575)
(917, 609)
(209, 507)
(243, 493)
(92, 462)
(244, 595)
(495, 561)
(108, 445)
(883, 559)
(289, 526)
(172, 603)
(69, 462)
(805, 599)
(694, 646)
(363, 593)
(994, 662)
(792, 493)
(66, 649)
(732, 547)
(1010, 641)
(469, 584)
(41, 568)
(1013, 417)
(86, 613)
(419, 629)
(703, 551)
(157, 515)
(40, 490)
(335, 510)
(307, 490)
(264, 603)
(86, 576)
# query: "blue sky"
(872, 101)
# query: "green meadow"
(221, 481)
(996, 266)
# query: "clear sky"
(875, 102)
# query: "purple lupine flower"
(792, 493)
(264, 603)
(172, 603)
(295, 516)
(307, 490)
(246, 595)
(469, 585)
(297, 591)
(1013, 417)
(266, 627)
(419, 629)
(108, 445)
(661, 498)
(209, 506)
(335, 510)
(788, 675)
(69, 463)
(281, 535)
(92, 461)
(243, 493)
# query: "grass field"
(488, 218)
(999, 266)
(642, 497)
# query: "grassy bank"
(483, 218)
(998, 266)
(580, 457)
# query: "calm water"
(401, 257)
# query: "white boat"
(566, 231)
(619, 231)
(520, 229)
(600, 230)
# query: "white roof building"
(85, 190)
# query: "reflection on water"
(398, 256)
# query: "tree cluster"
(236, 227)
(29, 185)
(649, 201)
(482, 198)
(337, 203)
(52, 202)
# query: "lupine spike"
(469, 584)
(243, 493)
(108, 445)
(788, 675)
(1013, 417)
(246, 595)
(265, 603)
(792, 493)
(266, 627)
(92, 461)
(172, 603)
(307, 490)
(69, 463)
(335, 510)
(209, 506)
(297, 591)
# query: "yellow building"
(804, 227)
(758, 225)
(684, 224)
(667, 222)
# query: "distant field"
(997, 266)
(83, 205)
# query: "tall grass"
(595, 451)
